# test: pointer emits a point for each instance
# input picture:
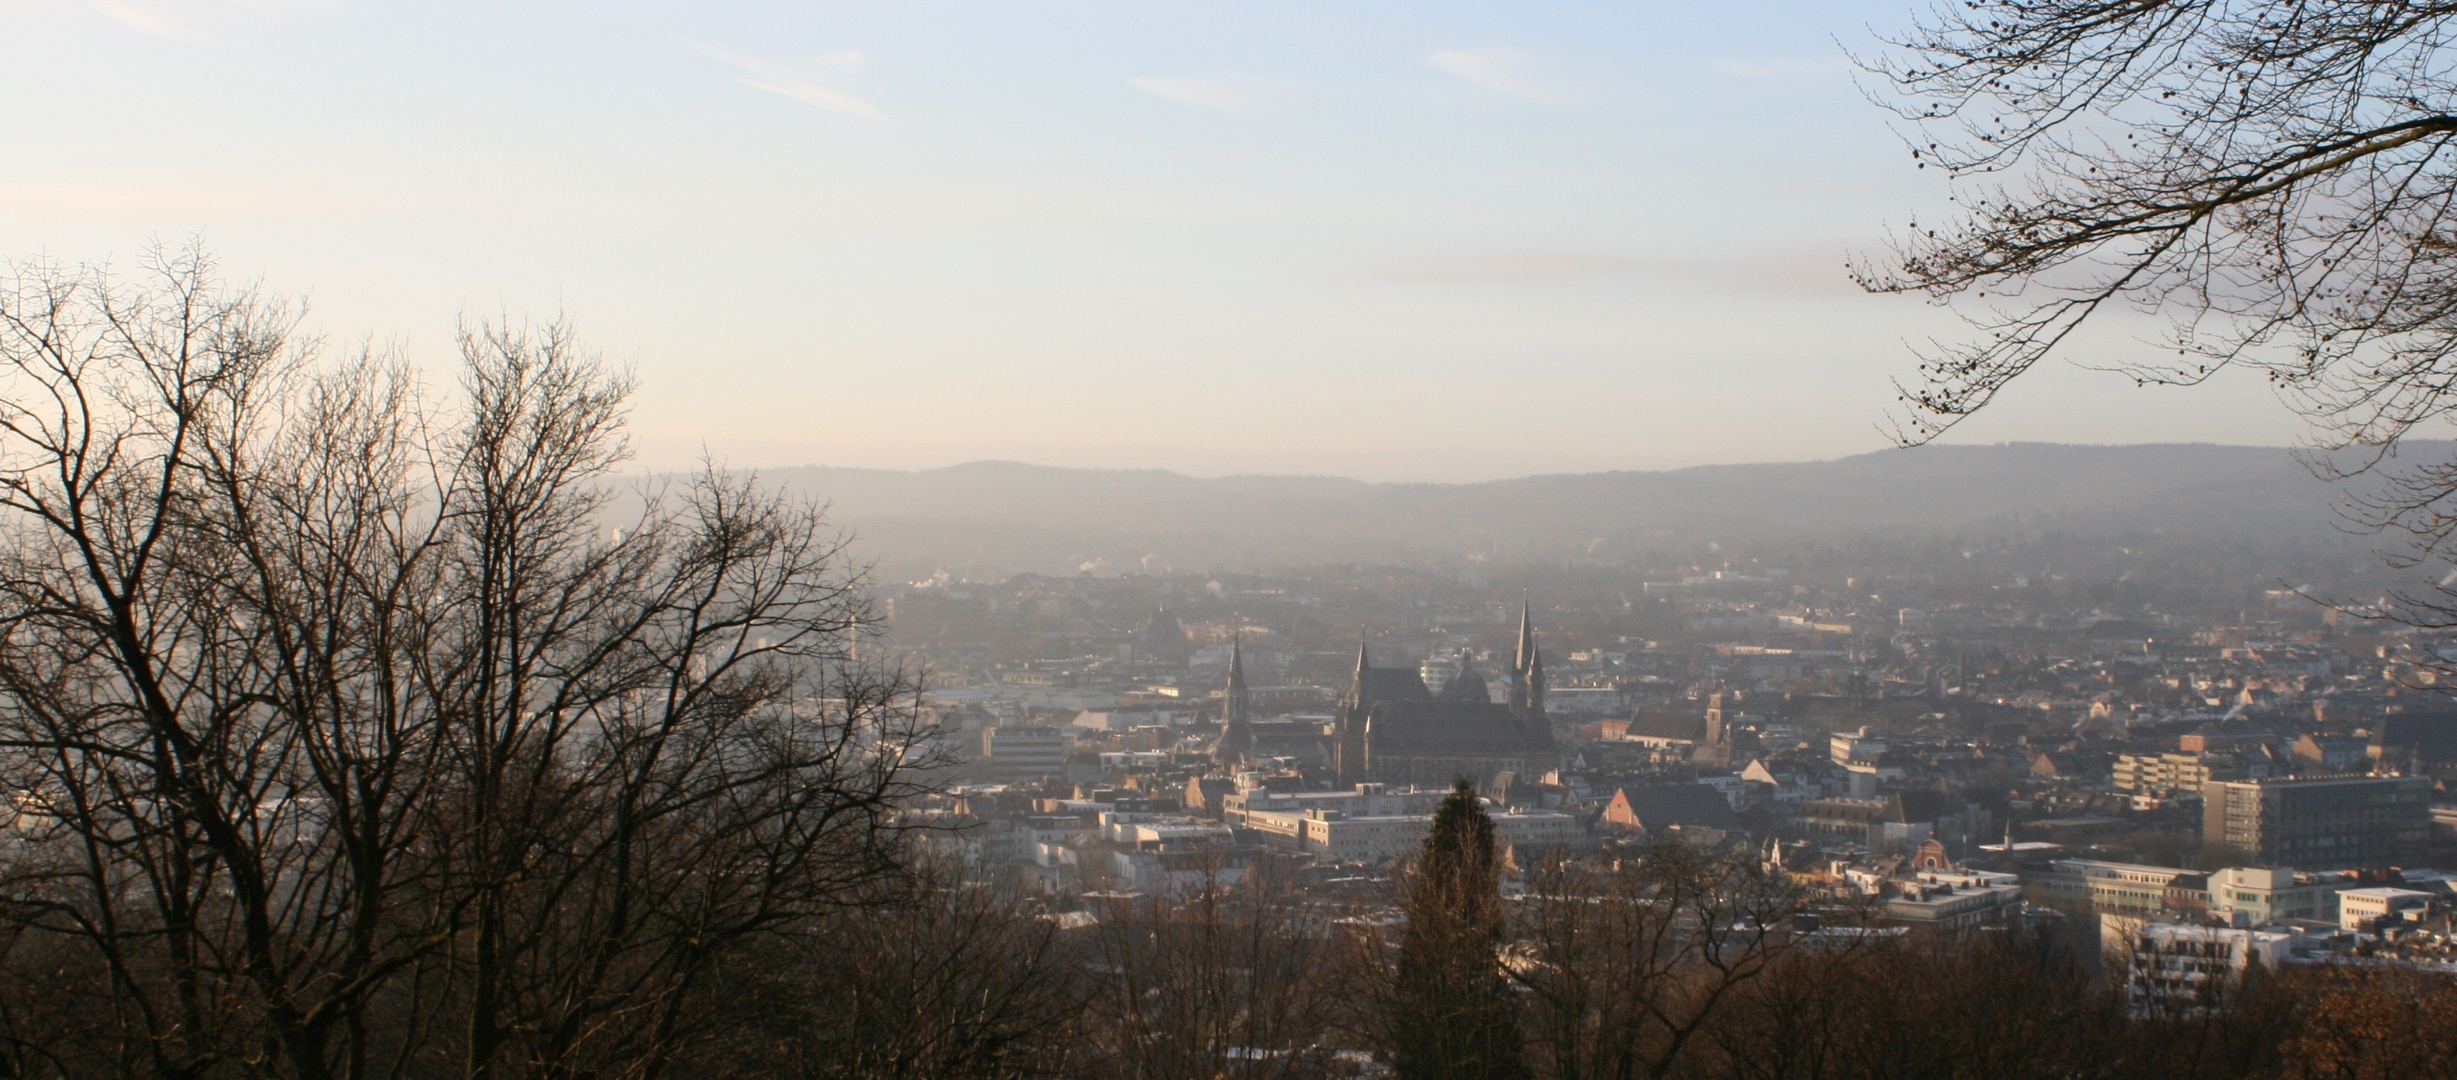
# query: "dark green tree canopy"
(1454, 1018)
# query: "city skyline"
(1420, 243)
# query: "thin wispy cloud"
(185, 20)
(1233, 94)
(1779, 67)
(1802, 271)
(144, 19)
(777, 80)
(1505, 71)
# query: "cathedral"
(1392, 729)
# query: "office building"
(2327, 823)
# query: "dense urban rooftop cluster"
(2135, 745)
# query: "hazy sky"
(1392, 240)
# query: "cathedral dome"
(1466, 685)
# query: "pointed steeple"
(1348, 754)
(1237, 702)
(1527, 684)
(1527, 637)
(1364, 665)
(1236, 731)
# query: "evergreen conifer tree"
(1454, 1018)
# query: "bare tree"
(955, 978)
(2274, 180)
(1628, 960)
(346, 741)
(1224, 979)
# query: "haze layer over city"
(1798, 542)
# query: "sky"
(1419, 241)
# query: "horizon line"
(1164, 471)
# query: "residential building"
(2174, 770)
(2331, 753)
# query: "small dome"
(1467, 685)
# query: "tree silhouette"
(1454, 1015)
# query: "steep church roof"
(1385, 683)
(1454, 727)
(1667, 722)
(2427, 737)
(1654, 807)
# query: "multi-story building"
(2332, 822)
(2366, 909)
(2173, 969)
(1018, 752)
(1845, 747)
(2175, 771)
(1332, 836)
(2103, 886)
(1950, 903)
(1279, 815)
(2263, 894)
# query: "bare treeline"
(1652, 962)
(342, 737)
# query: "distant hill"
(991, 518)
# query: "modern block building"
(2263, 894)
(2175, 771)
(2324, 823)
(1018, 752)
(2102, 886)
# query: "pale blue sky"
(1399, 241)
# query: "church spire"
(1527, 684)
(1527, 637)
(1237, 679)
(1236, 733)
(1364, 664)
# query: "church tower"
(1236, 727)
(1527, 670)
(1348, 746)
(1716, 749)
